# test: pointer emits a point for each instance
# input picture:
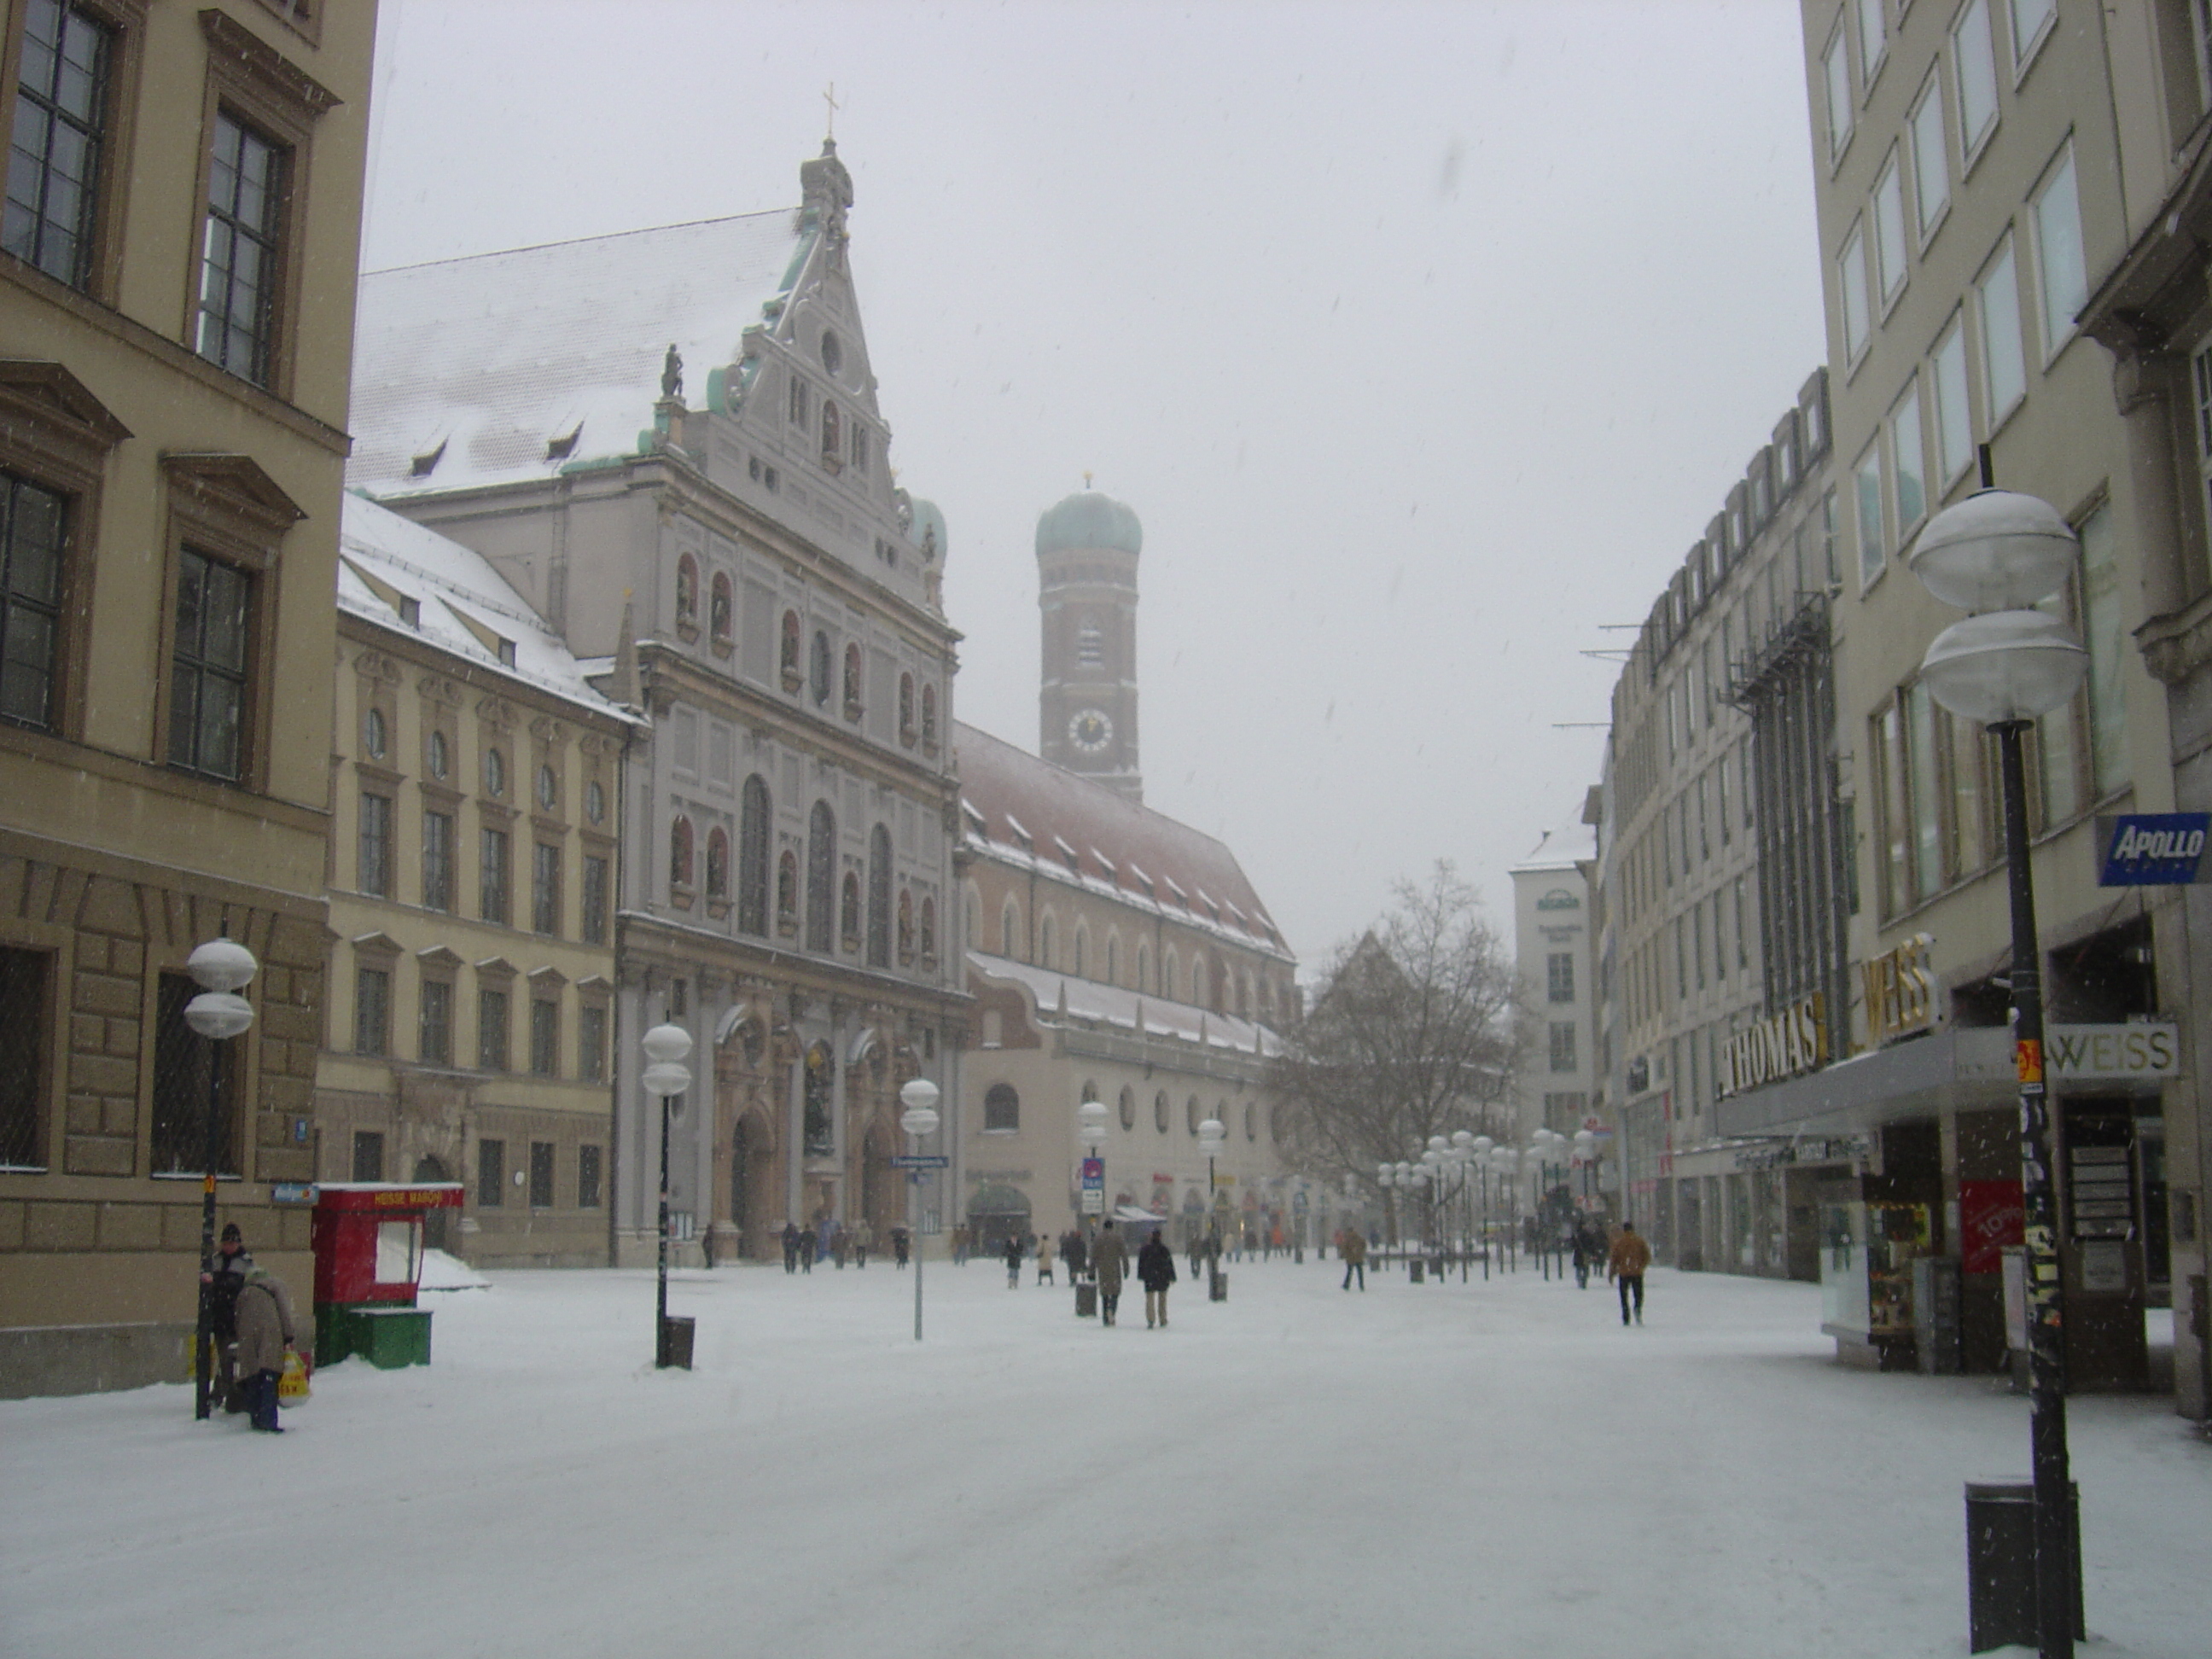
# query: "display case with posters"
(1867, 1252)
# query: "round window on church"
(833, 353)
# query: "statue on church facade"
(671, 372)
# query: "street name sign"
(924, 1161)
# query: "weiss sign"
(2089, 1052)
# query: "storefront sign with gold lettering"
(1786, 1044)
(1900, 990)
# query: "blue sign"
(1094, 1174)
(2151, 850)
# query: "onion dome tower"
(1086, 550)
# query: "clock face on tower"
(1089, 730)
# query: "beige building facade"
(476, 833)
(1979, 167)
(176, 295)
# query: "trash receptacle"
(1217, 1288)
(2001, 1563)
(1935, 1316)
(1086, 1299)
(1416, 1265)
(676, 1333)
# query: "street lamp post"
(1994, 555)
(222, 968)
(666, 1075)
(1479, 1149)
(1586, 1155)
(1090, 1130)
(920, 1096)
(1211, 1134)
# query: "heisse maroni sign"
(1781, 1045)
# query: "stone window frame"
(54, 433)
(126, 21)
(377, 953)
(57, 944)
(439, 964)
(261, 87)
(224, 508)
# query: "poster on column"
(1991, 1218)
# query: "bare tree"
(1414, 1032)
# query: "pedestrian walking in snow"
(1074, 1253)
(1109, 1260)
(1625, 1264)
(1044, 1262)
(1014, 1261)
(902, 1246)
(960, 1246)
(1197, 1253)
(1586, 1255)
(221, 1287)
(1354, 1249)
(841, 1244)
(264, 1336)
(864, 1239)
(1156, 1270)
(790, 1238)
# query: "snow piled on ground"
(1439, 1470)
(441, 1272)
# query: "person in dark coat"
(1075, 1253)
(264, 1337)
(902, 1246)
(1109, 1260)
(232, 1264)
(1014, 1261)
(1156, 1269)
(790, 1247)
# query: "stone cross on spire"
(829, 120)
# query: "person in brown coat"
(1354, 1249)
(264, 1337)
(1110, 1262)
(1625, 1264)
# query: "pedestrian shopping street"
(1432, 1470)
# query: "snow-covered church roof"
(506, 367)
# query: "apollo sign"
(2151, 850)
(1783, 1045)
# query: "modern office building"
(177, 259)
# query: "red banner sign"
(1991, 1216)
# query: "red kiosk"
(368, 1264)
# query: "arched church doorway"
(995, 1214)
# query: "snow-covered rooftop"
(1014, 803)
(1094, 1004)
(512, 365)
(396, 572)
(1559, 849)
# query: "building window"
(929, 716)
(879, 897)
(491, 876)
(541, 1175)
(1160, 1111)
(587, 1177)
(905, 928)
(1559, 976)
(592, 1042)
(372, 1011)
(437, 861)
(208, 667)
(821, 876)
(1874, 42)
(33, 536)
(1874, 549)
(491, 1174)
(61, 116)
(368, 1155)
(818, 668)
(2004, 357)
(752, 856)
(1835, 79)
(1128, 1109)
(549, 788)
(239, 254)
(1889, 230)
(1090, 647)
(436, 755)
(1002, 1109)
(436, 1046)
(831, 447)
(593, 930)
(375, 848)
(848, 912)
(1852, 272)
(2059, 261)
(905, 727)
(928, 931)
(1975, 58)
(2030, 19)
(679, 853)
(1931, 164)
(718, 864)
(545, 889)
(1909, 456)
(687, 593)
(491, 1030)
(23, 1019)
(1954, 421)
(852, 683)
(495, 773)
(790, 651)
(545, 1037)
(2104, 631)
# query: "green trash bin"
(391, 1337)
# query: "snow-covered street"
(1447, 1469)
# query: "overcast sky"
(1423, 339)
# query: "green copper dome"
(929, 531)
(1087, 521)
